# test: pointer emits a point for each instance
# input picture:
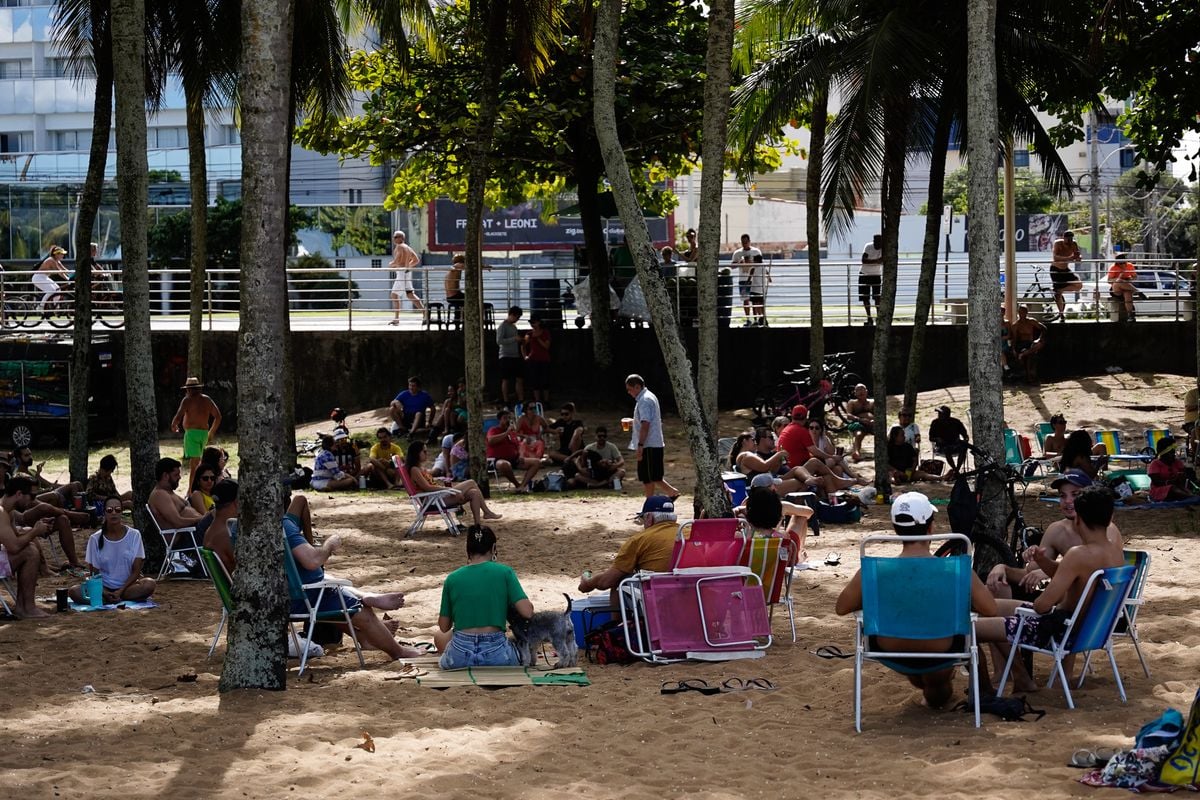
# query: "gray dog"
(543, 626)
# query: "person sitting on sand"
(20, 556)
(760, 457)
(902, 459)
(1168, 477)
(101, 483)
(650, 549)
(116, 552)
(25, 511)
(463, 493)
(912, 515)
(327, 474)
(370, 629)
(1080, 453)
(476, 601)
(1093, 514)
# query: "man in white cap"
(912, 516)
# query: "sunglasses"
(207, 477)
(113, 510)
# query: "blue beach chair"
(1127, 625)
(1084, 632)
(915, 598)
(306, 606)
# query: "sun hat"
(912, 508)
(192, 383)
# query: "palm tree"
(709, 488)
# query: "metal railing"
(355, 298)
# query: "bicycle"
(963, 512)
(1041, 291)
(826, 400)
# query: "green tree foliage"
(1032, 194)
(169, 237)
(544, 140)
(365, 228)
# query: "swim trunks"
(194, 442)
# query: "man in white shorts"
(404, 260)
(43, 278)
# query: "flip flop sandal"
(831, 651)
(833, 559)
(746, 684)
(1091, 759)
(688, 685)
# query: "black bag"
(607, 644)
(327, 633)
(964, 506)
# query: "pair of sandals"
(703, 686)
(1092, 759)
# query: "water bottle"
(616, 484)
(362, 481)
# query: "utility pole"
(1094, 160)
(1010, 234)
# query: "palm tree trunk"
(198, 177)
(812, 207)
(478, 169)
(983, 343)
(85, 224)
(896, 127)
(712, 178)
(256, 656)
(129, 47)
(929, 252)
(709, 489)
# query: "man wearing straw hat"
(199, 418)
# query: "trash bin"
(545, 301)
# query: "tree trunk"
(929, 252)
(983, 343)
(198, 179)
(129, 47)
(709, 489)
(714, 139)
(85, 224)
(597, 258)
(477, 175)
(812, 207)
(256, 657)
(896, 120)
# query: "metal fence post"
(208, 291)
(349, 301)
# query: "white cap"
(915, 507)
(339, 435)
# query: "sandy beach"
(149, 729)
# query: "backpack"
(607, 644)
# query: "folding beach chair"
(915, 598)
(1152, 437)
(223, 584)
(773, 559)
(309, 597)
(182, 551)
(6, 576)
(1016, 454)
(1084, 632)
(1112, 443)
(427, 504)
(710, 543)
(1127, 624)
(703, 613)
(1043, 430)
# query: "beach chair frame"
(170, 537)
(298, 593)
(427, 504)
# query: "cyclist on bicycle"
(43, 278)
(1064, 253)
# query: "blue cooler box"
(589, 613)
(735, 484)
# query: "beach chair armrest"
(435, 493)
(328, 583)
(1027, 611)
(731, 570)
(165, 531)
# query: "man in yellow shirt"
(650, 549)
(384, 469)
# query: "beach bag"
(555, 482)
(1161, 732)
(1182, 767)
(606, 644)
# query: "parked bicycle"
(827, 399)
(964, 513)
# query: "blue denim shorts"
(479, 650)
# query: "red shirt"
(795, 440)
(538, 349)
(506, 448)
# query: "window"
(70, 140)
(16, 68)
(376, 263)
(166, 138)
(1021, 158)
(59, 67)
(21, 142)
(1128, 159)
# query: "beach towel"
(424, 671)
(136, 605)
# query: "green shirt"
(479, 595)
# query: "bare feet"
(389, 601)
(411, 652)
(493, 515)
(29, 613)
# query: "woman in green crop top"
(476, 602)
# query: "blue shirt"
(414, 403)
(295, 538)
(646, 409)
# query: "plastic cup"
(627, 424)
(93, 590)
(78, 502)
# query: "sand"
(145, 733)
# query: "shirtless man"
(1064, 253)
(453, 286)
(46, 272)
(861, 416)
(199, 418)
(25, 560)
(1097, 550)
(170, 510)
(1028, 337)
(25, 510)
(404, 260)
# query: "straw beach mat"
(424, 671)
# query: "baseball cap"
(914, 507)
(1076, 477)
(764, 479)
(657, 504)
(943, 409)
(799, 412)
(340, 435)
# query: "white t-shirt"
(872, 252)
(759, 276)
(115, 559)
(439, 463)
(747, 259)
